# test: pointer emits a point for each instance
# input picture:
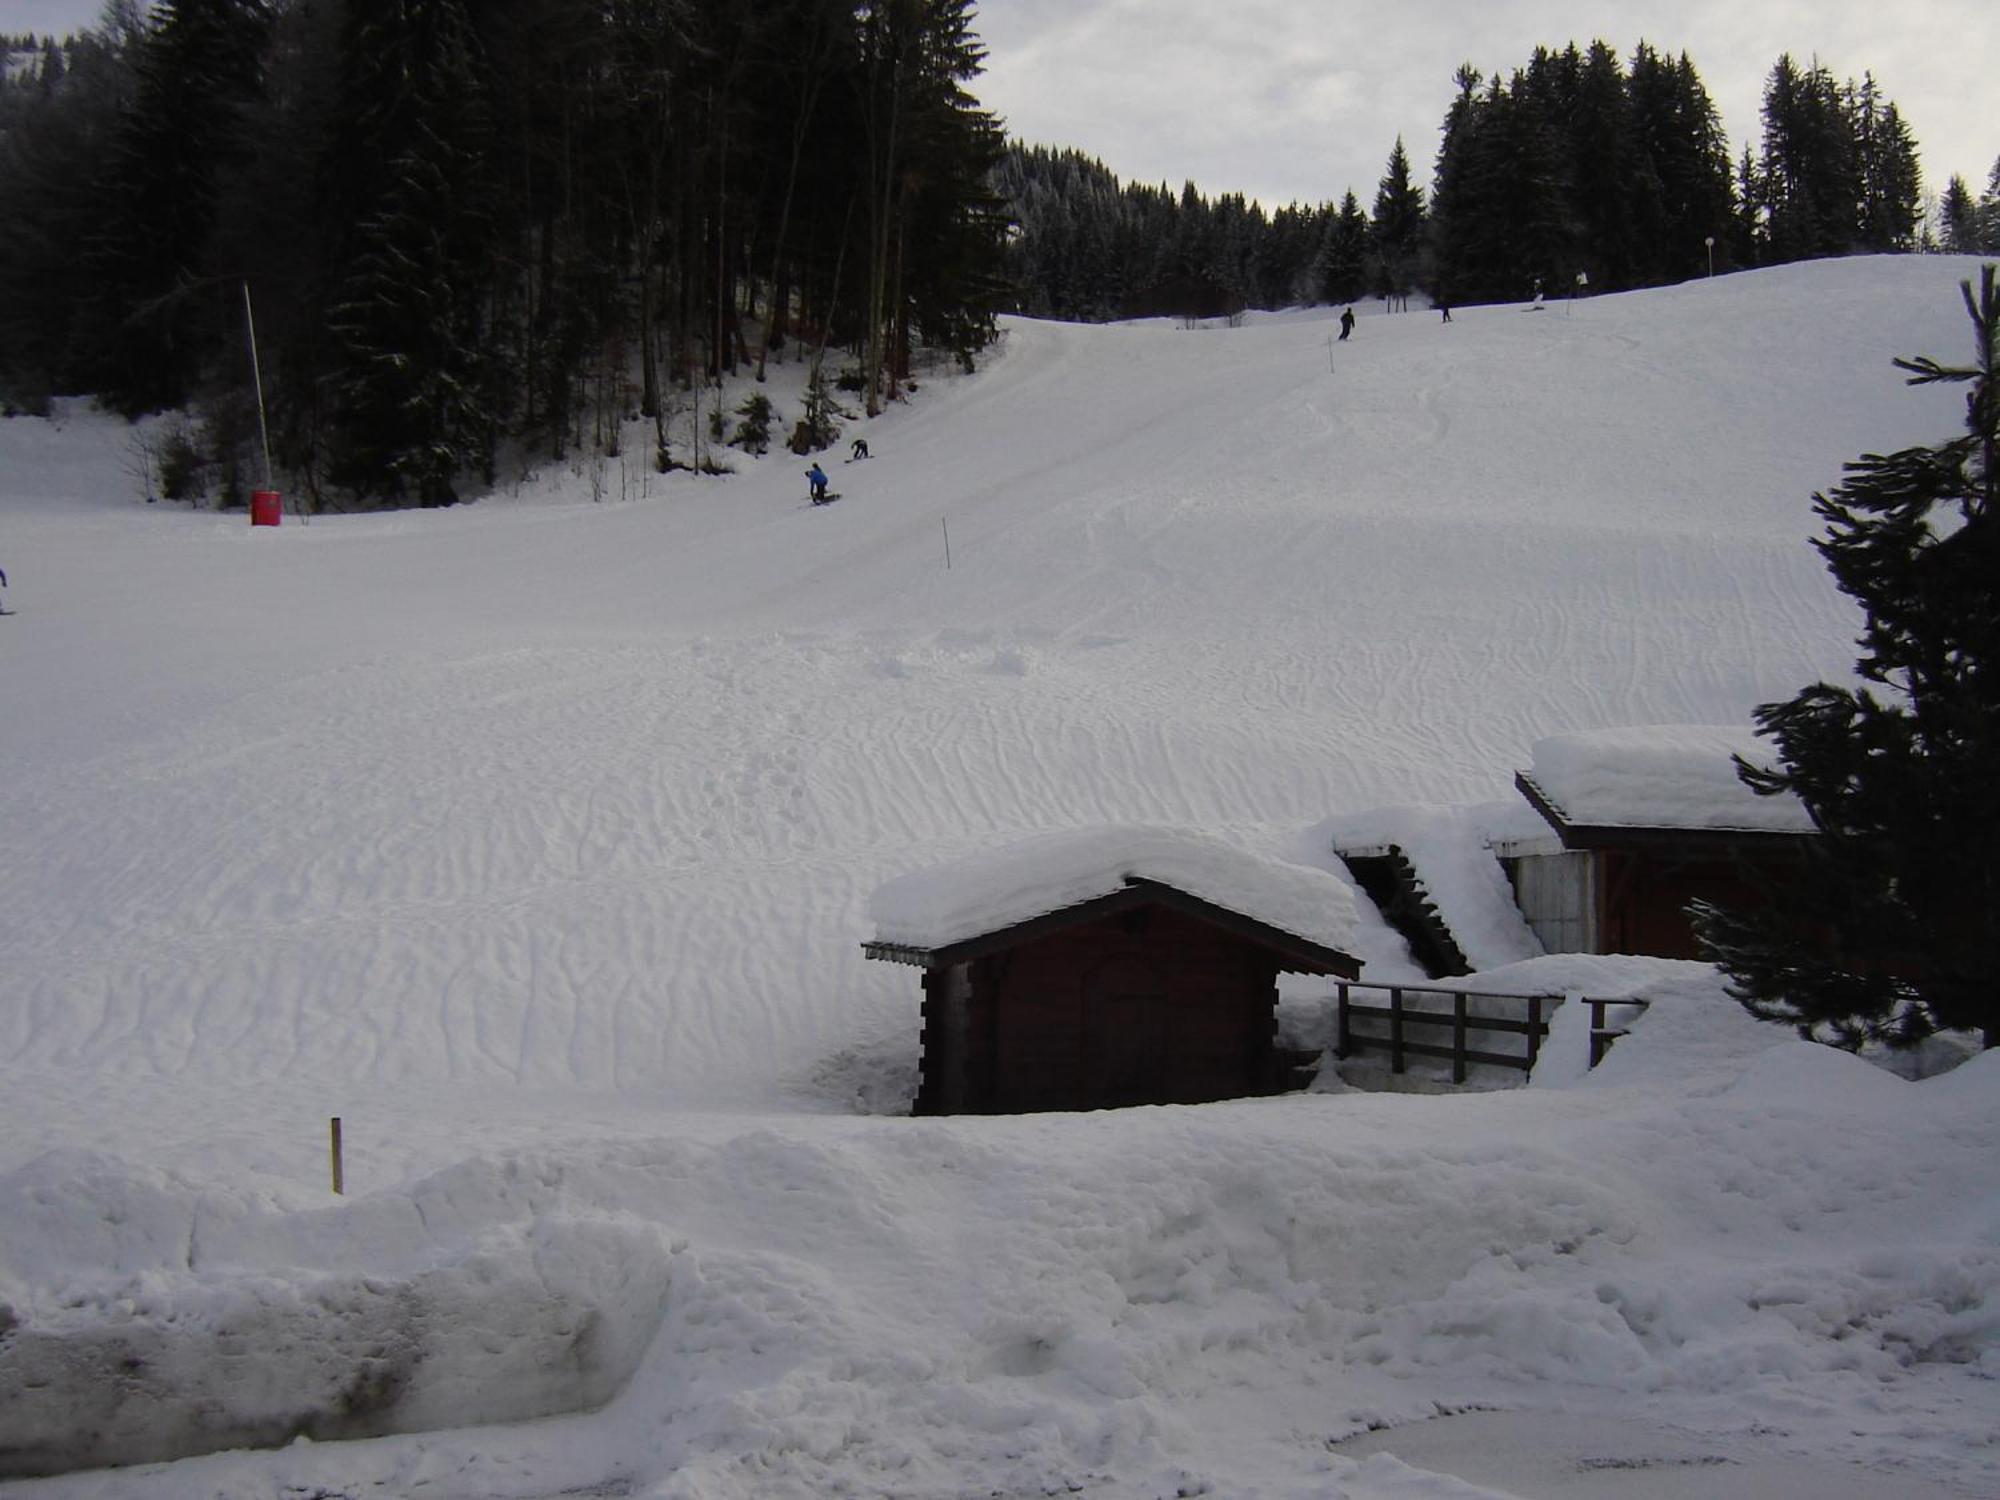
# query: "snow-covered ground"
(535, 840)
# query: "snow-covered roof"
(995, 890)
(1662, 776)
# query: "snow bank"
(987, 892)
(159, 1324)
(1663, 776)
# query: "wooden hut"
(1106, 968)
(1645, 821)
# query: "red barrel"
(265, 507)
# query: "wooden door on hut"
(1126, 1020)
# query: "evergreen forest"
(464, 228)
(1578, 164)
(464, 224)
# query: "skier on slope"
(1346, 324)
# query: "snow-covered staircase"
(1392, 883)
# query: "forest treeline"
(1578, 163)
(466, 226)
(464, 223)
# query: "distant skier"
(816, 477)
(860, 450)
(1346, 324)
(4, 610)
(1444, 308)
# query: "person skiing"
(1346, 324)
(816, 477)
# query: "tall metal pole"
(257, 378)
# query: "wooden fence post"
(1395, 1030)
(1534, 1031)
(1458, 1038)
(1344, 1040)
(339, 1168)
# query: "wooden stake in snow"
(947, 542)
(339, 1171)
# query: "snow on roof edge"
(1048, 872)
(1680, 776)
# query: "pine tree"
(160, 308)
(1889, 932)
(1989, 212)
(1809, 175)
(1749, 237)
(1346, 253)
(58, 193)
(1398, 227)
(1959, 215)
(1544, 228)
(1609, 177)
(1693, 162)
(1465, 188)
(1891, 182)
(410, 405)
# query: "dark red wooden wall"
(1150, 1006)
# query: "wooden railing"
(1401, 1018)
(1602, 1036)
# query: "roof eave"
(1296, 955)
(1582, 836)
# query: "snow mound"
(190, 1325)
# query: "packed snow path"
(534, 838)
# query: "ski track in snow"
(535, 838)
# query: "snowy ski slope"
(535, 838)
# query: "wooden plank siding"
(1146, 1005)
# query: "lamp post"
(1709, 240)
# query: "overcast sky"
(1299, 100)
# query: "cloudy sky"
(1298, 100)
